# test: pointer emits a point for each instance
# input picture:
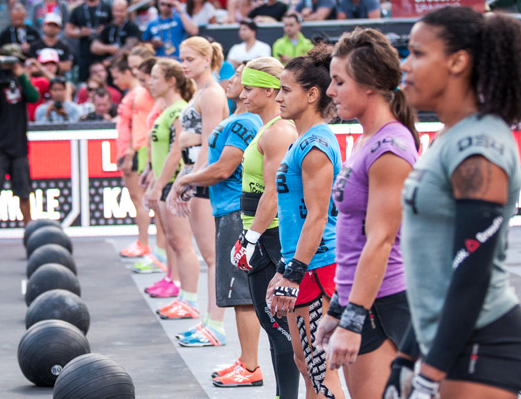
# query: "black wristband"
(295, 270)
(335, 309)
(281, 266)
(286, 291)
(353, 318)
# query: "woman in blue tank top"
(307, 217)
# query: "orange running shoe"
(182, 310)
(226, 370)
(240, 377)
(165, 308)
(135, 250)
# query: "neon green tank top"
(163, 136)
(252, 173)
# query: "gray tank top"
(428, 222)
(192, 122)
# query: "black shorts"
(165, 191)
(19, 172)
(388, 318)
(267, 251)
(231, 283)
(492, 355)
(202, 192)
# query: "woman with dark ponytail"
(466, 318)
(368, 314)
(304, 280)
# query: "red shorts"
(316, 282)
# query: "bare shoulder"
(283, 129)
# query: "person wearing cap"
(250, 47)
(121, 34)
(18, 31)
(293, 43)
(51, 28)
(58, 110)
(42, 8)
(16, 91)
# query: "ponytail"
(187, 89)
(405, 114)
(217, 57)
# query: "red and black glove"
(243, 249)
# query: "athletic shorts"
(231, 283)
(19, 172)
(267, 251)
(492, 355)
(316, 282)
(388, 318)
(202, 192)
(139, 160)
(165, 191)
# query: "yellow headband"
(254, 78)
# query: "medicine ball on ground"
(47, 347)
(35, 225)
(59, 304)
(93, 376)
(50, 253)
(49, 277)
(48, 235)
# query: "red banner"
(417, 8)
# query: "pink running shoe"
(167, 290)
(156, 285)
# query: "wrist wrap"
(353, 318)
(286, 291)
(295, 270)
(335, 310)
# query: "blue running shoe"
(191, 331)
(206, 336)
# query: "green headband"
(254, 78)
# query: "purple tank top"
(350, 194)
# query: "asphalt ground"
(124, 326)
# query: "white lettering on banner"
(117, 203)
(424, 141)
(10, 205)
(106, 163)
(349, 145)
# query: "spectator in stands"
(86, 21)
(51, 27)
(15, 92)
(5, 6)
(316, 10)
(19, 32)
(33, 71)
(171, 27)
(269, 11)
(250, 47)
(350, 9)
(57, 109)
(99, 73)
(104, 110)
(293, 43)
(143, 15)
(44, 7)
(202, 12)
(238, 10)
(121, 34)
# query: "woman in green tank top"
(169, 83)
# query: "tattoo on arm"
(472, 178)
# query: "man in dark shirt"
(271, 11)
(16, 91)
(51, 29)
(104, 110)
(119, 35)
(86, 21)
(18, 31)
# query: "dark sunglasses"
(92, 88)
(166, 5)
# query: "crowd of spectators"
(78, 39)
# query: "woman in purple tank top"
(368, 314)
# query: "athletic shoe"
(135, 250)
(155, 285)
(240, 377)
(146, 266)
(167, 290)
(206, 336)
(187, 333)
(165, 308)
(226, 370)
(181, 310)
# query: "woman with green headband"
(257, 250)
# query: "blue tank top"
(291, 202)
(236, 131)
